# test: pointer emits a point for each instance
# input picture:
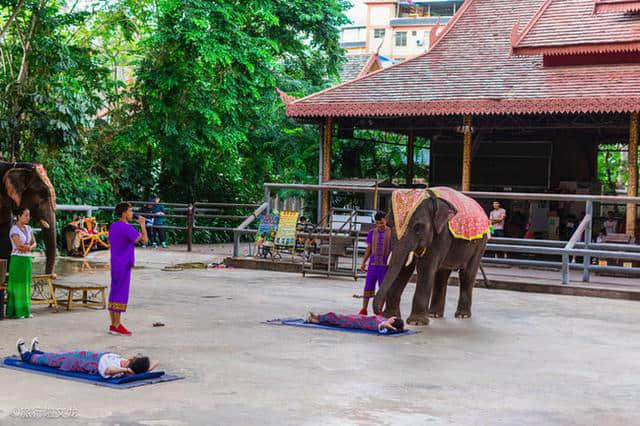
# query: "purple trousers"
(375, 275)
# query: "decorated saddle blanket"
(470, 223)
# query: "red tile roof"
(469, 70)
(601, 6)
(571, 27)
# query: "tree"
(207, 84)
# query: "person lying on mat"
(106, 364)
(374, 323)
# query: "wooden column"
(632, 186)
(326, 165)
(466, 154)
(411, 140)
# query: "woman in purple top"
(122, 238)
(378, 249)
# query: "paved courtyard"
(523, 359)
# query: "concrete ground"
(523, 359)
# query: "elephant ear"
(19, 180)
(443, 212)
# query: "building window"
(401, 38)
(414, 33)
(378, 33)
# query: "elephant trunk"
(396, 265)
(48, 224)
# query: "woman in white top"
(106, 364)
(22, 244)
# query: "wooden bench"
(42, 292)
(92, 295)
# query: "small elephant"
(425, 242)
(27, 185)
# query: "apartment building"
(398, 29)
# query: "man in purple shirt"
(378, 249)
(122, 238)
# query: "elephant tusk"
(409, 259)
(44, 224)
(389, 258)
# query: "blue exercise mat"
(299, 322)
(125, 382)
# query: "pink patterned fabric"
(471, 221)
(404, 203)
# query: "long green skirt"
(19, 288)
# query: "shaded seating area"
(85, 234)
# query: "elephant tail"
(487, 283)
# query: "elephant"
(27, 185)
(428, 245)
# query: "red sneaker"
(123, 330)
(363, 311)
(119, 330)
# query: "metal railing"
(194, 216)
(574, 247)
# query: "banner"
(286, 235)
(268, 224)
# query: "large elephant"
(425, 241)
(27, 185)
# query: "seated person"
(74, 232)
(374, 323)
(106, 364)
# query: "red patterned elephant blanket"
(470, 223)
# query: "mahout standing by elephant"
(435, 231)
(19, 289)
(377, 253)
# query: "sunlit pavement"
(522, 359)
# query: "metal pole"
(586, 260)
(236, 244)
(267, 198)
(565, 269)
(190, 227)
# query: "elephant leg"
(392, 303)
(426, 277)
(467, 280)
(439, 296)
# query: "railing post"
(565, 269)
(267, 198)
(190, 214)
(586, 260)
(236, 244)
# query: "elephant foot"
(436, 314)
(463, 314)
(418, 320)
(388, 313)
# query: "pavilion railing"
(565, 249)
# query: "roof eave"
(583, 49)
(621, 6)
(503, 106)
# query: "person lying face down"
(374, 323)
(106, 364)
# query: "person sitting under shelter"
(74, 232)
(106, 364)
(374, 323)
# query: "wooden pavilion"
(512, 94)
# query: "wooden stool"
(42, 292)
(92, 296)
